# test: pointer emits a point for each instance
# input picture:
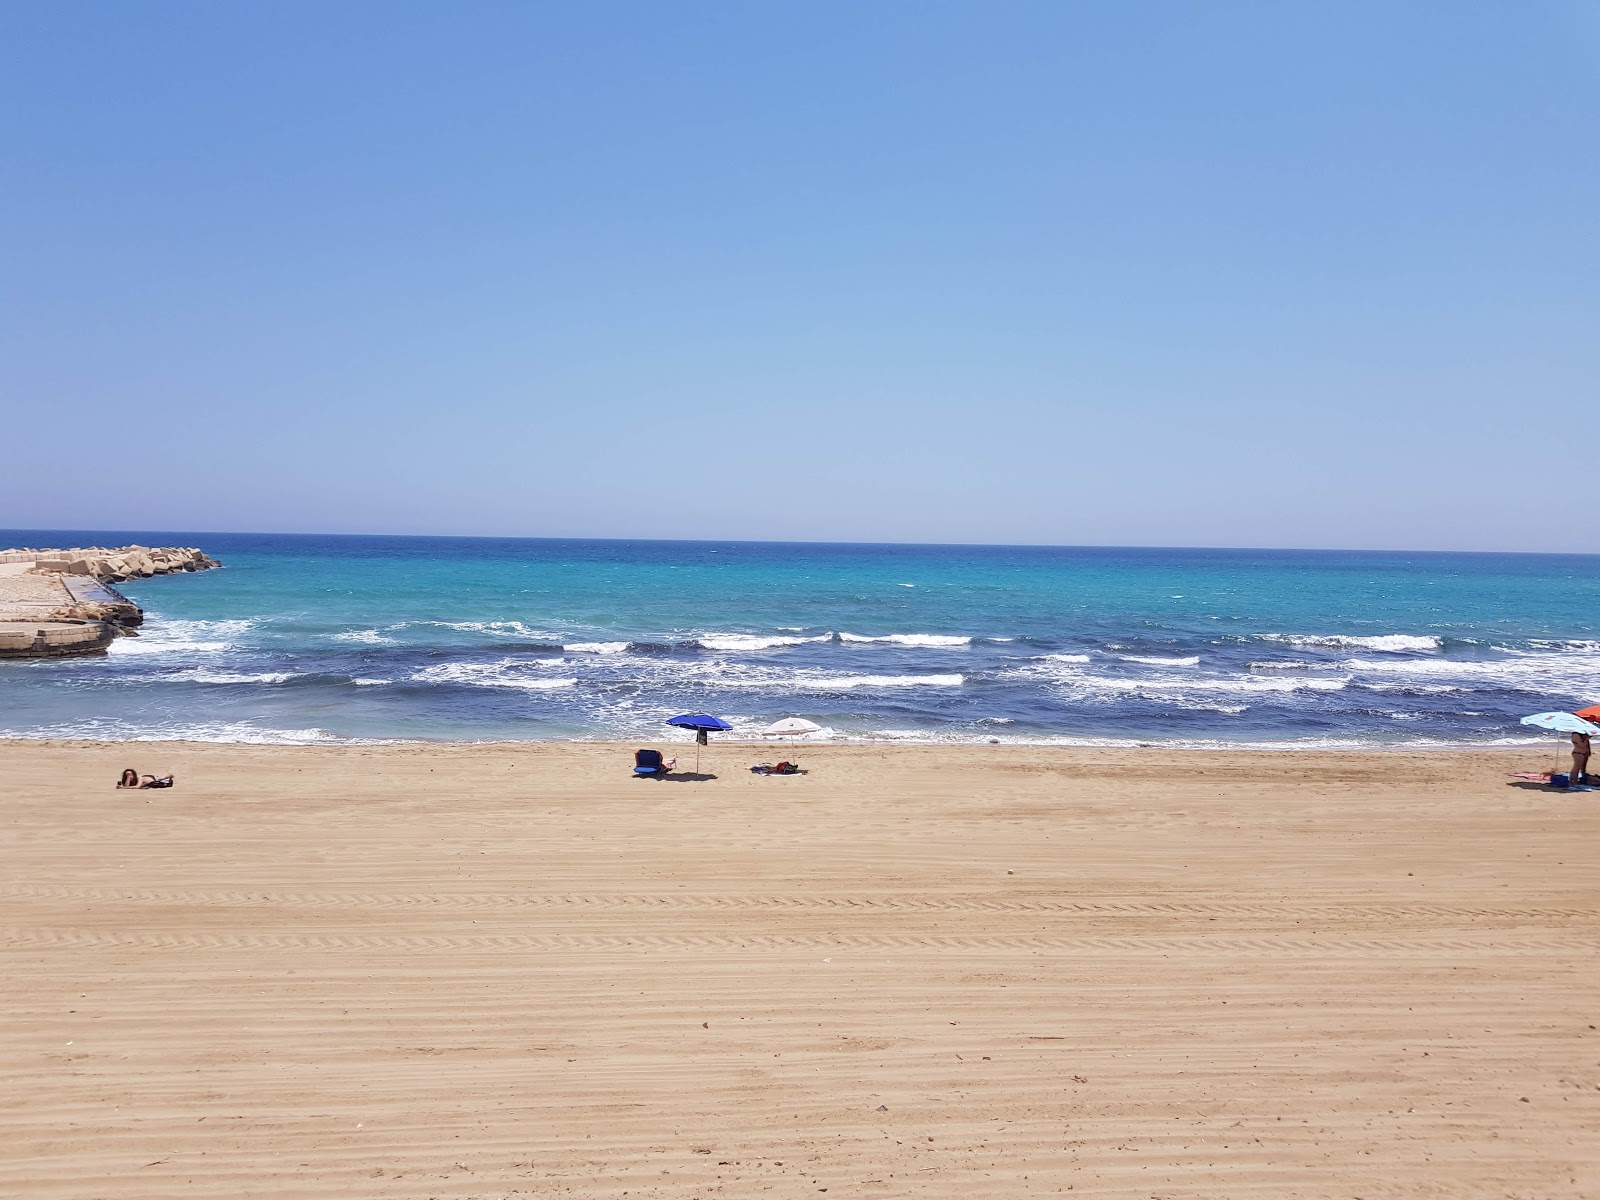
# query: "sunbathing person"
(132, 779)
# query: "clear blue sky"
(1272, 273)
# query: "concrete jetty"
(57, 602)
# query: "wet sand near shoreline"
(513, 970)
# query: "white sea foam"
(1151, 660)
(747, 641)
(597, 647)
(365, 637)
(1068, 676)
(1231, 710)
(1389, 643)
(507, 673)
(908, 639)
(234, 732)
(1413, 689)
(1289, 665)
(370, 682)
(160, 636)
(504, 629)
(1064, 658)
(202, 675)
(845, 682)
(1541, 673)
(1239, 684)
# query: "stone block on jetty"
(115, 565)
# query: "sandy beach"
(512, 970)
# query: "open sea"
(305, 639)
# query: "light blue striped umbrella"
(1561, 722)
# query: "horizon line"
(812, 542)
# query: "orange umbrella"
(1592, 713)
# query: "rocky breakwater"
(61, 602)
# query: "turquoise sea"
(322, 639)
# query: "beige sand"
(985, 972)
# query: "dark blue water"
(319, 638)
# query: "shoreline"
(333, 742)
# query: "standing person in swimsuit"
(1580, 757)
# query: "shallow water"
(306, 639)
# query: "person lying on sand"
(132, 779)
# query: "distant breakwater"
(60, 602)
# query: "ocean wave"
(908, 639)
(202, 675)
(365, 637)
(1064, 658)
(749, 641)
(229, 732)
(508, 673)
(1290, 665)
(511, 629)
(597, 647)
(1577, 673)
(371, 682)
(1228, 710)
(1151, 660)
(1240, 684)
(1412, 689)
(847, 682)
(1388, 643)
(1162, 688)
(161, 636)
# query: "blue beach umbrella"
(1561, 722)
(698, 721)
(701, 723)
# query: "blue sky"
(1272, 274)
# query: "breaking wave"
(202, 675)
(1388, 643)
(228, 732)
(907, 639)
(158, 636)
(364, 637)
(749, 641)
(508, 673)
(846, 682)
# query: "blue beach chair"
(649, 764)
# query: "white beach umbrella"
(790, 727)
